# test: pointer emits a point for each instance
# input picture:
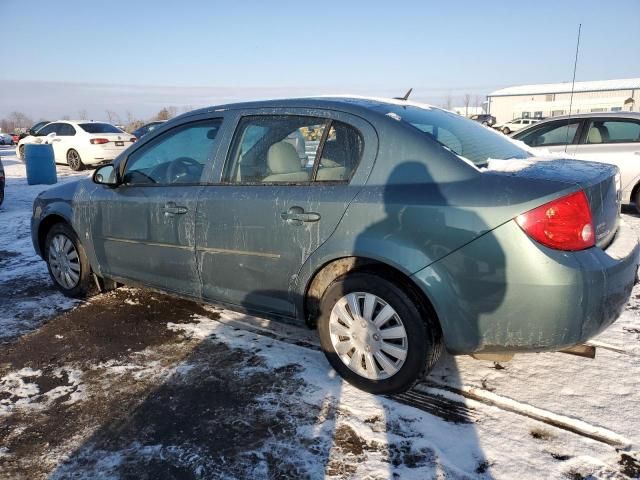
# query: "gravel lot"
(135, 384)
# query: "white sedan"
(515, 125)
(80, 143)
(611, 137)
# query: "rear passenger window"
(613, 131)
(274, 149)
(340, 154)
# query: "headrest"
(594, 135)
(283, 158)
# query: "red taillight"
(99, 141)
(132, 139)
(563, 224)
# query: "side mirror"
(106, 175)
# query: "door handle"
(297, 215)
(171, 209)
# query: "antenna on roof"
(573, 84)
(406, 95)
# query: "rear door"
(287, 179)
(144, 230)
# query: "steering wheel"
(180, 168)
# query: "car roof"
(349, 103)
(633, 115)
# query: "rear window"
(99, 128)
(461, 136)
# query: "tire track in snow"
(441, 400)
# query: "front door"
(285, 187)
(144, 230)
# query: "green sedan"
(396, 229)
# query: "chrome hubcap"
(368, 335)
(64, 261)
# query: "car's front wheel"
(67, 261)
(375, 335)
(506, 130)
(21, 152)
(74, 161)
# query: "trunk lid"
(600, 183)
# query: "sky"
(134, 57)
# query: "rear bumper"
(505, 293)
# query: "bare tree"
(166, 113)
(82, 114)
(113, 117)
(66, 117)
(20, 120)
(466, 100)
(187, 108)
(447, 101)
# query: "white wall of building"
(506, 107)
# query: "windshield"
(463, 137)
(99, 128)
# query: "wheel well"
(634, 192)
(45, 226)
(336, 268)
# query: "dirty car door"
(144, 230)
(273, 207)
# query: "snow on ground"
(137, 384)
(23, 275)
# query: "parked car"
(484, 119)
(2, 182)
(143, 130)
(400, 239)
(34, 129)
(15, 137)
(6, 139)
(515, 125)
(605, 137)
(80, 143)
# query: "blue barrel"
(41, 164)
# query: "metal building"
(553, 99)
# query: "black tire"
(423, 336)
(74, 161)
(636, 199)
(85, 284)
(485, 123)
(21, 152)
(506, 130)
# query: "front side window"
(613, 131)
(176, 157)
(555, 133)
(461, 136)
(46, 130)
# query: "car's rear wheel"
(21, 152)
(375, 335)
(74, 161)
(67, 261)
(485, 123)
(506, 130)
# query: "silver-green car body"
(412, 205)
